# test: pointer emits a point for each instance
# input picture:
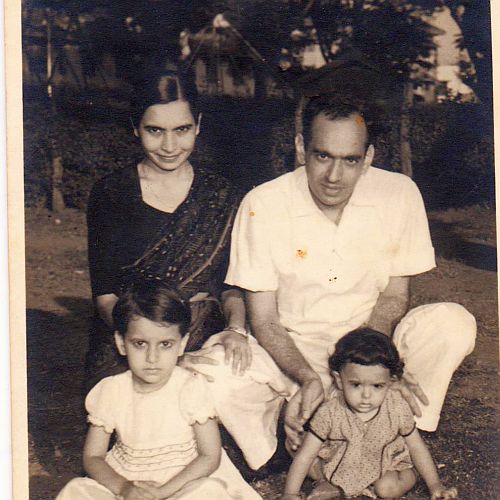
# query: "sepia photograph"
(256, 250)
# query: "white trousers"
(432, 339)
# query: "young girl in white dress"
(167, 437)
(363, 440)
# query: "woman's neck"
(165, 190)
(155, 175)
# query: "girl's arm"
(301, 464)
(424, 464)
(94, 452)
(209, 449)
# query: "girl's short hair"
(163, 87)
(367, 347)
(154, 301)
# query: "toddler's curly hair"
(365, 346)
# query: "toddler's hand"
(443, 493)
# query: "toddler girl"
(167, 438)
(363, 440)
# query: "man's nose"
(335, 170)
(169, 142)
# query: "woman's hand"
(442, 493)
(236, 351)
(411, 390)
(188, 359)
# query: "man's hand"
(237, 350)
(409, 388)
(442, 493)
(300, 409)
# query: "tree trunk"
(57, 200)
(404, 130)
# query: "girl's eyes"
(167, 344)
(379, 386)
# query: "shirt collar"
(303, 203)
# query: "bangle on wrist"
(236, 329)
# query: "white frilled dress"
(155, 438)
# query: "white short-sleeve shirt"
(328, 277)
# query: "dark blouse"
(120, 228)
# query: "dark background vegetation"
(251, 141)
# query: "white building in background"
(444, 80)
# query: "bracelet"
(236, 329)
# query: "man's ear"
(370, 153)
(338, 380)
(300, 149)
(198, 123)
(120, 344)
(184, 342)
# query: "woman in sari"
(164, 219)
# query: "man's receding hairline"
(358, 117)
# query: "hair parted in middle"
(163, 87)
(367, 347)
(154, 301)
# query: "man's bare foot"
(323, 490)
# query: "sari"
(189, 253)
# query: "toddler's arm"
(424, 464)
(94, 452)
(300, 467)
(208, 459)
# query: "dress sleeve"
(413, 250)
(101, 403)
(195, 402)
(402, 408)
(321, 422)
(251, 264)
(101, 241)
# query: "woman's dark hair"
(333, 106)
(154, 301)
(163, 88)
(367, 347)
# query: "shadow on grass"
(450, 245)
(56, 347)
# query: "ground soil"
(59, 311)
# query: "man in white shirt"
(320, 252)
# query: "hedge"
(251, 142)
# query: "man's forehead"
(351, 129)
